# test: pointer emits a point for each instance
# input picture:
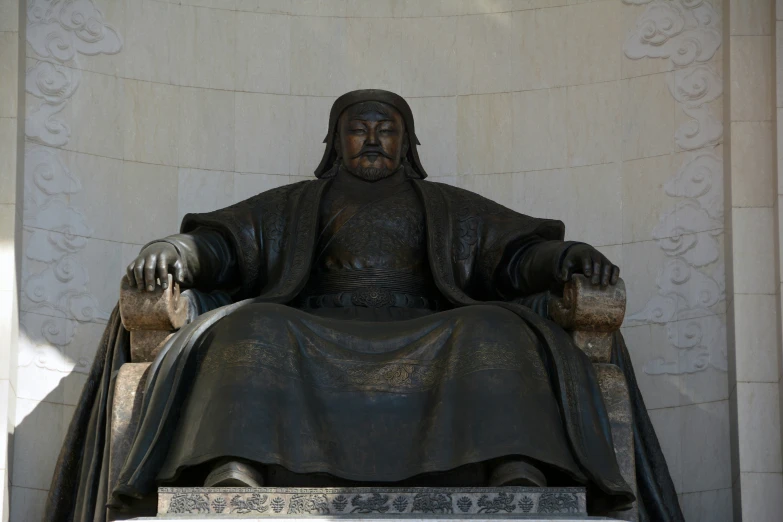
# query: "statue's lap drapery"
(366, 401)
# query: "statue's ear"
(406, 144)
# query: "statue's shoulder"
(269, 201)
(266, 205)
(269, 207)
(456, 193)
(272, 197)
(468, 203)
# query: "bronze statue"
(369, 327)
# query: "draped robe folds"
(273, 236)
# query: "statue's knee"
(483, 320)
(259, 311)
(262, 318)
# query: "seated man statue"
(372, 332)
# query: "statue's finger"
(596, 272)
(566, 271)
(179, 272)
(131, 276)
(138, 273)
(606, 274)
(615, 275)
(562, 275)
(163, 272)
(149, 272)
(587, 266)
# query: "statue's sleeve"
(531, 267)
(235, 245)
(208, 259)
(516, 254)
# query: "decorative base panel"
(383, 518)
(365, 503)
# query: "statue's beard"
(372, 173)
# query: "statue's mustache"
(380, 152)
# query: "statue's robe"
(372, 401)
(379, 402)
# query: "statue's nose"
(372, 137)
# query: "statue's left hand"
(584, 259)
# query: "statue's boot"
(234, 474)
(516, 472)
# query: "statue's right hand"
(153, 263)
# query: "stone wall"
(752, 245)
(570, 109)
(11, 125)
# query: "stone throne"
(591, 315)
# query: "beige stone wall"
(10, 232)
(672, 257)
(752, 243)
(556, 108)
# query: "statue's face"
(371, 140)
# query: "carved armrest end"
(591, 314)
(151, 317)
(156, 310)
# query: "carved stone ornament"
(161, 310)
(691, 283)
(55, 297)
(353, 502)
(591, 314)
(587, 307)
(58, 31)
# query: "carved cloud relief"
(55, 298)
(691, 283)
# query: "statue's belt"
(371, 288)
(369, 297)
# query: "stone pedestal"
(368, 503)
(472, 518)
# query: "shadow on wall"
(41, 425)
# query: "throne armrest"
(151, 317)
(591, 314)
